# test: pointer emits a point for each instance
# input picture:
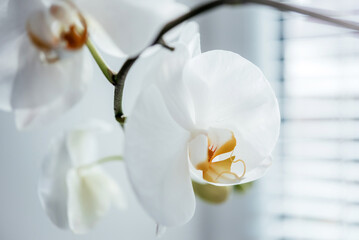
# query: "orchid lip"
(217, 167)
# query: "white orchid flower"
(74, 190)
(213, 116)
(44, 69)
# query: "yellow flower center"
(213, 171)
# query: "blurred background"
(311, 191)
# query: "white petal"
(259, 171)
(38, 83)
(8, 67)
(163, 68)
(231, 92)
(188, 34)
(198, 149)
(26, 119)
(168, 75)
(156, 157)
(198, 153)
(200, 96)
(35, 117)
(39, 24)
(256, 159)
(90, 194)
(82, 147)
(14, 16)
(82, 142)
(140, 77)
(131, 24)
(52, 187)
(159, 65)
(218, 136)
(190, 37)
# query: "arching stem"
(107, 72)
(120, 78)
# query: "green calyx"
(210, 193)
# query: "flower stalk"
(107, 72)
(120, 77)
(118, 80)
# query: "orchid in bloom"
(212, 117)
(74, 190)
(44, 69)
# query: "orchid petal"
(82, 142)
(140, 77)
(198, 149)
(163, 68)
(90, 195)
(14, 16)
(235, 94)
(145, 70)
(38, 83)
(189, 36)
(31, 118)
(82, 147)
(258, 171)
(52, 185)
(76, 196)
(39, 25)
(156, 157)
(34, 117)
(8, 67)
(222, 140)
(132, 25)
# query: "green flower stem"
(305, 11)
(107, 72)
(109, 159)
(120, 77)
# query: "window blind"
(312, 191)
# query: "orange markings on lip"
(212, 171)
(74, 39)
(211, 151)
(42, 45)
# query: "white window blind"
(312, 192)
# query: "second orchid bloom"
(211, 117)
(45, 68)
(74, 189)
